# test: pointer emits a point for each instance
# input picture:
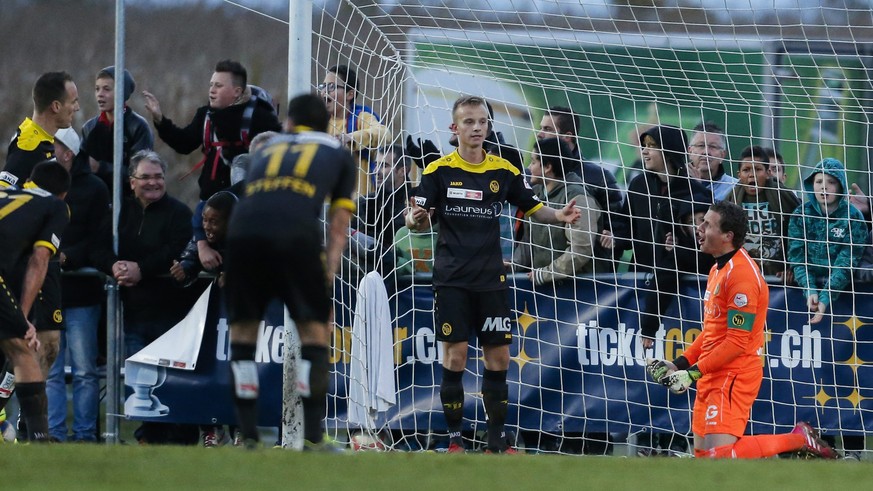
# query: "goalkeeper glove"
(657, 369)
(680, 381)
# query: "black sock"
(34, 409)
(245, 395)
(495, 395)
(452, 397)
(315, 406)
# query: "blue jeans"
(78, 345)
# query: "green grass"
(72, 467)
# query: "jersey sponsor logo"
(473, 211)
(56, 241)
(494, 186)
(456, 183)
(497, 324)
(738, 320)
(741, 300)
(711, 411)
(461, 193)
(420, 201)
(447, 329)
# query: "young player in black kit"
(274, 251)
(466, 190)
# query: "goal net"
(793, 78)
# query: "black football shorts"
(460, 312)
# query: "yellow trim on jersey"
(454, 159)
(533, 210)
(344, 203)
(31, 135)
(47, 245)
(30, 185)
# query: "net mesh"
(789, 75)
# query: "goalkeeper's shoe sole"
(814, 444)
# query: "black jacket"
(152, 237)
(98, 138)
(226, 125)
(89, 203)
(653, 208)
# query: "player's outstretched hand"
(658, 369)
(569, 213)
(681, 380)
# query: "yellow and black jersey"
(30, 146)
(467, 200)
(288, 182)
(29, 218)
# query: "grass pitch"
(91, 467)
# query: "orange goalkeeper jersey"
(734, 314)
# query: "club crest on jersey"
(494, 186)
(461, 193)
(738, 320)
(741, 300)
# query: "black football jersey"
(468, 200)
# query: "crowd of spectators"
(814, 240)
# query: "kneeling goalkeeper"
(725, 359)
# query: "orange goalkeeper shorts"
(724, 401)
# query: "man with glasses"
(354, 125)
(153, 229)
(707, 152)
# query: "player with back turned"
(31, 223)
(725, 358)
(466, 190)
(274, 251)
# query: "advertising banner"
(577, 363)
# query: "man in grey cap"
(98, 136)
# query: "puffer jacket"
(824, 248)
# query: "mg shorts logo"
(711, 412)
(447, 329)
(494, 186)
(497, 324)
(57, 316)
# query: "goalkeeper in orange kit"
(725, 359)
